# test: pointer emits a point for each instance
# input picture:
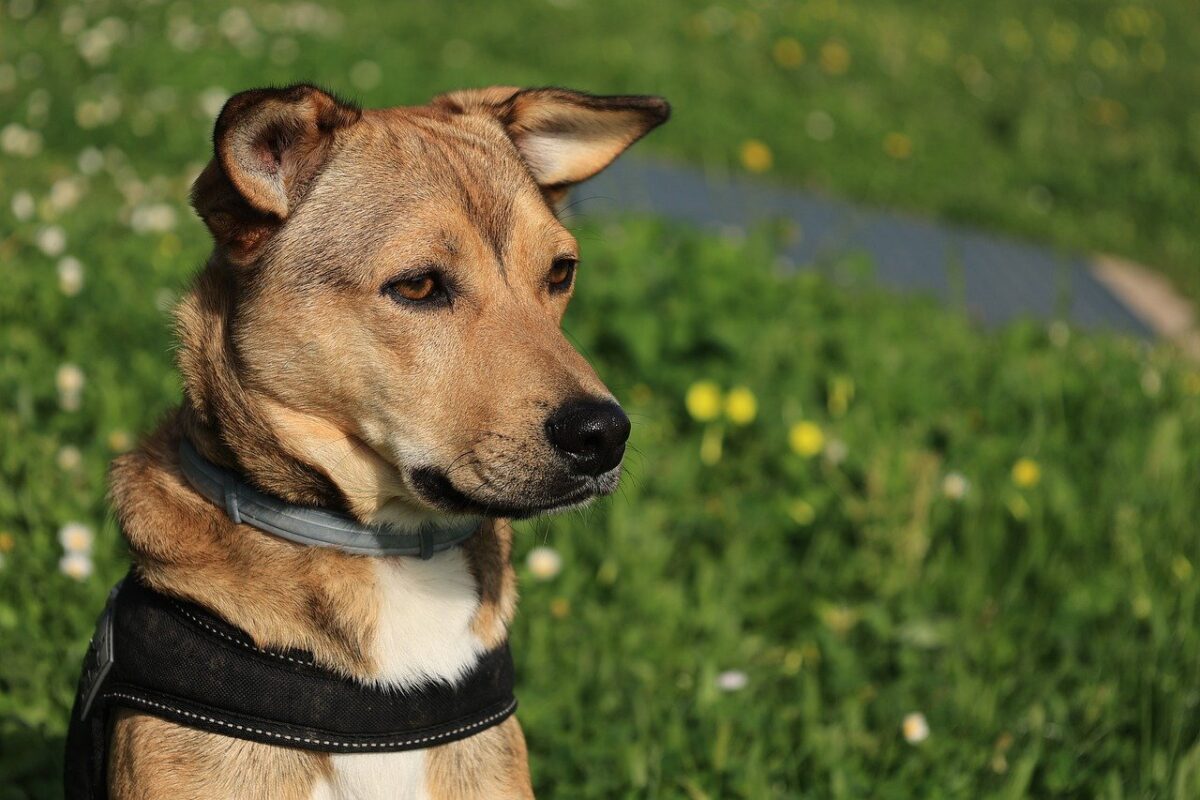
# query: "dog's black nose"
(591, 433)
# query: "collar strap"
(312, 526)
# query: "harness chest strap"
(173, 660)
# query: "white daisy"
(544, 563)
(955, 485)
(915, 728)
(75, 537)
(70, 276)
(76, 565)
(52, 240)
(69, 458)
(69, 378)
(733, 680)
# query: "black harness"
(172, 659)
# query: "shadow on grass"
(31, 763)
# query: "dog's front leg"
(153, 759)
(491, 765)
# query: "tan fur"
(488, 765)
(153, 758)
(302, 374)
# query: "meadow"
(863, 548)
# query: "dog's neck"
(398, 621)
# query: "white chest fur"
(425, 612)
(423, 635)
(373, 776)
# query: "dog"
(376, 334)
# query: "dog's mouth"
(435, 487)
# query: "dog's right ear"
(269, 145)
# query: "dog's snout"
(590, 433)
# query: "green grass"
(1047, 632)
(1069, 122)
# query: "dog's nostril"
(591, 433)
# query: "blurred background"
(911, 505)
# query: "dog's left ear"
(564, 136)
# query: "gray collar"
(312, 526)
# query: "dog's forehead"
(414, 156)
(418, 178)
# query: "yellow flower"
(835, 58)
(119, 441)
(7, 543)
(1104, 54)
(1026, 473)
(741, 406)
(897, 146)
(703, 401)
(934, 47)
(841, 392)
(806, 438)
(788, 52)
(756, 156)
(1015, 37)
(1180, 566)
(802, 512)
(1130, 20)
(560, 607)
(1018, 507)
(710, 445)
(839, 618)
(1062, 38)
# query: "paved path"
(998, 278)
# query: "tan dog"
(377, 332)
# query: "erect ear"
(269, 145)
(564, 136)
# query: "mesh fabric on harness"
(174, 660)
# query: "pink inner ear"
(267, 155)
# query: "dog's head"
(384, 302)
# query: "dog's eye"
(562, 273)
(423, 289)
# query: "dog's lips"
(435, 487)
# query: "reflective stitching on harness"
(483, 723)
(233, 639)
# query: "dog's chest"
(380, 775)
(423, 634)
(426, 608)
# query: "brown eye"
(423, 289)
(562, 274)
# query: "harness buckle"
(229, 488)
